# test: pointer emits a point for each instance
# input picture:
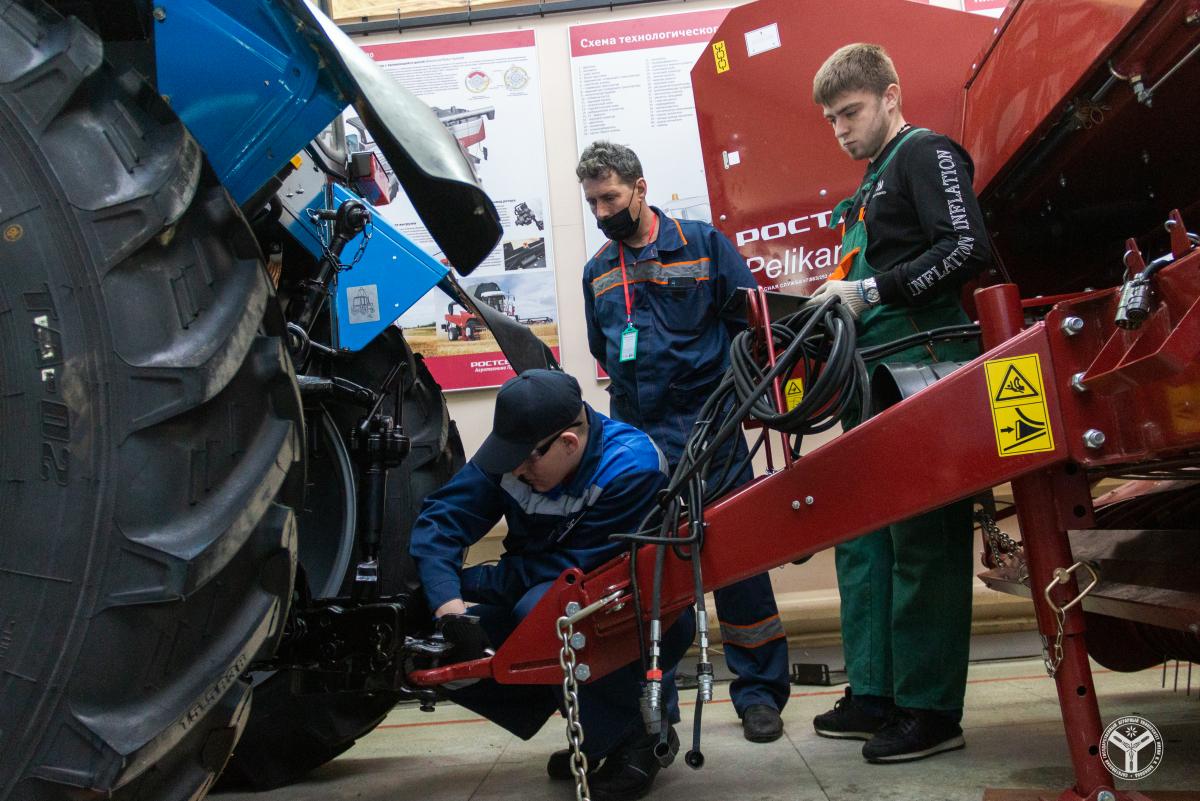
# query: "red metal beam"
(928, 450)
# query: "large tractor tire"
(152, 435)
(287, 734)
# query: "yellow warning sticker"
(1018, 401)
(793, 393)
(721, 57)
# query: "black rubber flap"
(428, 160)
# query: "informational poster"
(632, 85)
(486, 91)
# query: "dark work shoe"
(762, 724)
(629, 770)
(558, 767)
(912, 734)
(854, 718)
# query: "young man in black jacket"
(911, 236)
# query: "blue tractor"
(211, 457)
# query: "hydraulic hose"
(817, 342)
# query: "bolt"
(583, 672)
(160, 13)
(1062, 181)
(808, 499)
(1077, 383)
(723, 218)
(796, 505)
(1072, 325)
(578, 640)
(1105, 795)
(1094, 438)
(572, 608)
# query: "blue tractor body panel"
(392, 275)
(274, 95)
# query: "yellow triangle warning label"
(793, 393)
(1018, 400)
(1015, 386)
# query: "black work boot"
(854, 718)
(558, 767)
(629, 770)
(762, 724)
(912, 734)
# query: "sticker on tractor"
(1019, 412)
(793, 393)
(364, 303)
(721, 57)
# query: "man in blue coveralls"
(655, 304)
(565, 478)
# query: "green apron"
(906, 589)
(883, 323)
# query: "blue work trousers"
(609, 707)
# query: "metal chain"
(1053, 658)
(566, 660)
(1004, 548)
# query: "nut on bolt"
(1094, 438)
(1077, 383)
(1072, 325)
(583, 672)
(159, 13)
(796, 505)
(578, 640)
(1105, 795)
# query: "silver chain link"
(570, 687)
(566, 660)
(1004, 550)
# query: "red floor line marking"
(432, 723)
(725, 700)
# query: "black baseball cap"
(529, 408)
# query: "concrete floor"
(1013, 730)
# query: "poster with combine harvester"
(485, 89)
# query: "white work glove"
(851, 293)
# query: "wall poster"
(486, 90)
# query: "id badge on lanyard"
(629, 336)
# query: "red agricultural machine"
(1080, 117)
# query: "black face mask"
(620, 226)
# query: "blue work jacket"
(679, 285)
(614, 487)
